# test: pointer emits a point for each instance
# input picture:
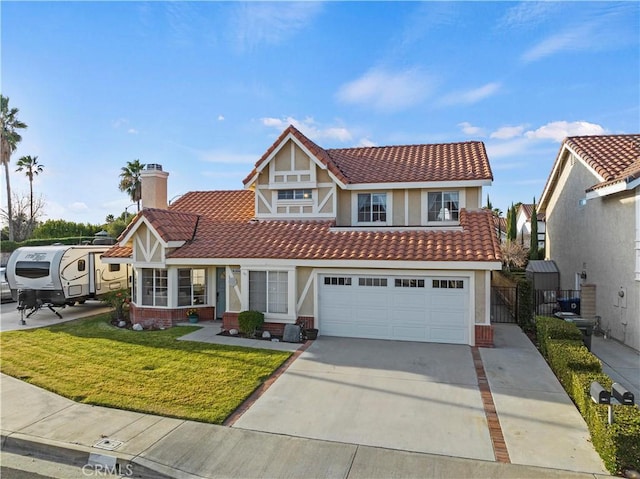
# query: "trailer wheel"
(82, 301)
(71, 303)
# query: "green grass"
(92, 362)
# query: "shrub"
(249, 321)
(576, 368)
(119, 300)
(525, 304)
(554, 328)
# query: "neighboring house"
(523, 223)
(500, 225)
(377, 242)
(592, 206)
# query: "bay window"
(192, 287)
(154, 287)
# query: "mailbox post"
(619, 395)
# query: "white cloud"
(386, 90)
(470, 97)
(132, 131)
(571, 39)
(558, 130)
(271, 23)
(526, 15)
(507, 132)
(596, 26)
(366, 142)
(220, 118)
(468, 129)
(309, 128)
(78, 207)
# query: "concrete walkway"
(537, 419)
(619, 362)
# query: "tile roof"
(614, 157)
(233, 234)
(528, 210)
(462, 161)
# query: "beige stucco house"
(591, 203)
(377, 242)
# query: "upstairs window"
(294, 194)
(372, 207)
(443, 206)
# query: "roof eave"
(418, 184)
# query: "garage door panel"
(448, 335)
(409, 310)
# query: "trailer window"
(33, 269)
(114, 267)
(82, 265)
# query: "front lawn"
(92, 362)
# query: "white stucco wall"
(597, 237)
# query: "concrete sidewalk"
(619, 362)
(532, 414)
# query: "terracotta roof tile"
(414, 163)
(614, 157)
(528, 210)
(172, 225)
(396, 164)
(319, 240)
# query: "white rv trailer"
(62, 274)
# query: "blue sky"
(204, 88)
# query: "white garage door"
(431, 309)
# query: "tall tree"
(130, 180)
(31, 167)
(513, 223)
(533, 247)
(509, 232)
(9, 140)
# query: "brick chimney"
(154, 186)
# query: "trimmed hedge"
(576, 368)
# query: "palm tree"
(130, 180)
(8, 144)
(31, 168)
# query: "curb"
(76, 454)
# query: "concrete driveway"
(10, 316)
(399, 395)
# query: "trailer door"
(94, 275)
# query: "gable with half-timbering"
(294, 185)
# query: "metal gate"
(504, 304)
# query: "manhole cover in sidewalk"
(108, 444)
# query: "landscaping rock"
(291, 333)
(266, 334)
(122, 324)
(233, 332)
(137, 327)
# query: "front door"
(221, 292)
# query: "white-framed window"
(192, 286)
(269, 291)
(448, 284)
(409, 283)
(375, 282)
(337, 280)
(372, 208)
(443, 206)
(296, 194)
(154, 287)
